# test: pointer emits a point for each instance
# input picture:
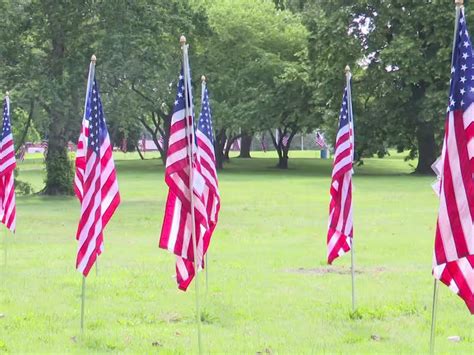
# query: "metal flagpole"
(5, 248)
(351, 125)
(203, 88)
(190, 135)
(433, 316)
(83, 300)
(459, 5)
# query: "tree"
(252, 51)
(141, 59)
(400, 53)
(54, 42)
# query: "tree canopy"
(271, 66)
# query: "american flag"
(263, 143)
(284, 141)
(340, 230)
(143, 143)
(176, 233)
(211, 198)
(320, 141)
(453, 261)
(95, 181)
(207, 163)
(44, 145)
(7, 166)
(21, 153)
(123, 146)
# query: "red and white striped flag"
(340, 230)
(188, 188)
(453, 261)
(95, 182)
(7, 166)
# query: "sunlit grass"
(269, 287)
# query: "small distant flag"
(7, 166)
(320, 140)
(285, 140)
(123, 146)
(263, 143)
(95, 182)
(453, 261)
(21, 153)
(44, 145)
(236, 144)
(340, 231)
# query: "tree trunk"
(283, 160)
(139, 152)
(59, 175)
(427, 152)
(245, 145)
(281, 149)
(228, 146)
(219, 148)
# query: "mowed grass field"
(270, 290)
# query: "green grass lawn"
(270, 289)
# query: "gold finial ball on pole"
(7, 93)
(93, 58)
(347, 69)
(182, 40)
(459, 2)
(203, 78)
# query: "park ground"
(270, 290)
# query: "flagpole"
(190, 134)
(459, 5)
(83, 300)
(349, 102)
(203, 88)
(83, 293)
(5, 246)
(433, 316)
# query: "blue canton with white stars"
(179, 102)
(344, 113)
(7, 128)
(95, 116)
(205, 118)
(461, 93)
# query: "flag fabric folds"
(7, 166)
(180, 174)
(340, 230)
(95, 181)
(207, 162)
(453, 261)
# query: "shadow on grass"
(305, 167)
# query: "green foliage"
(399, 53)
(22, 187)
(19, 117)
